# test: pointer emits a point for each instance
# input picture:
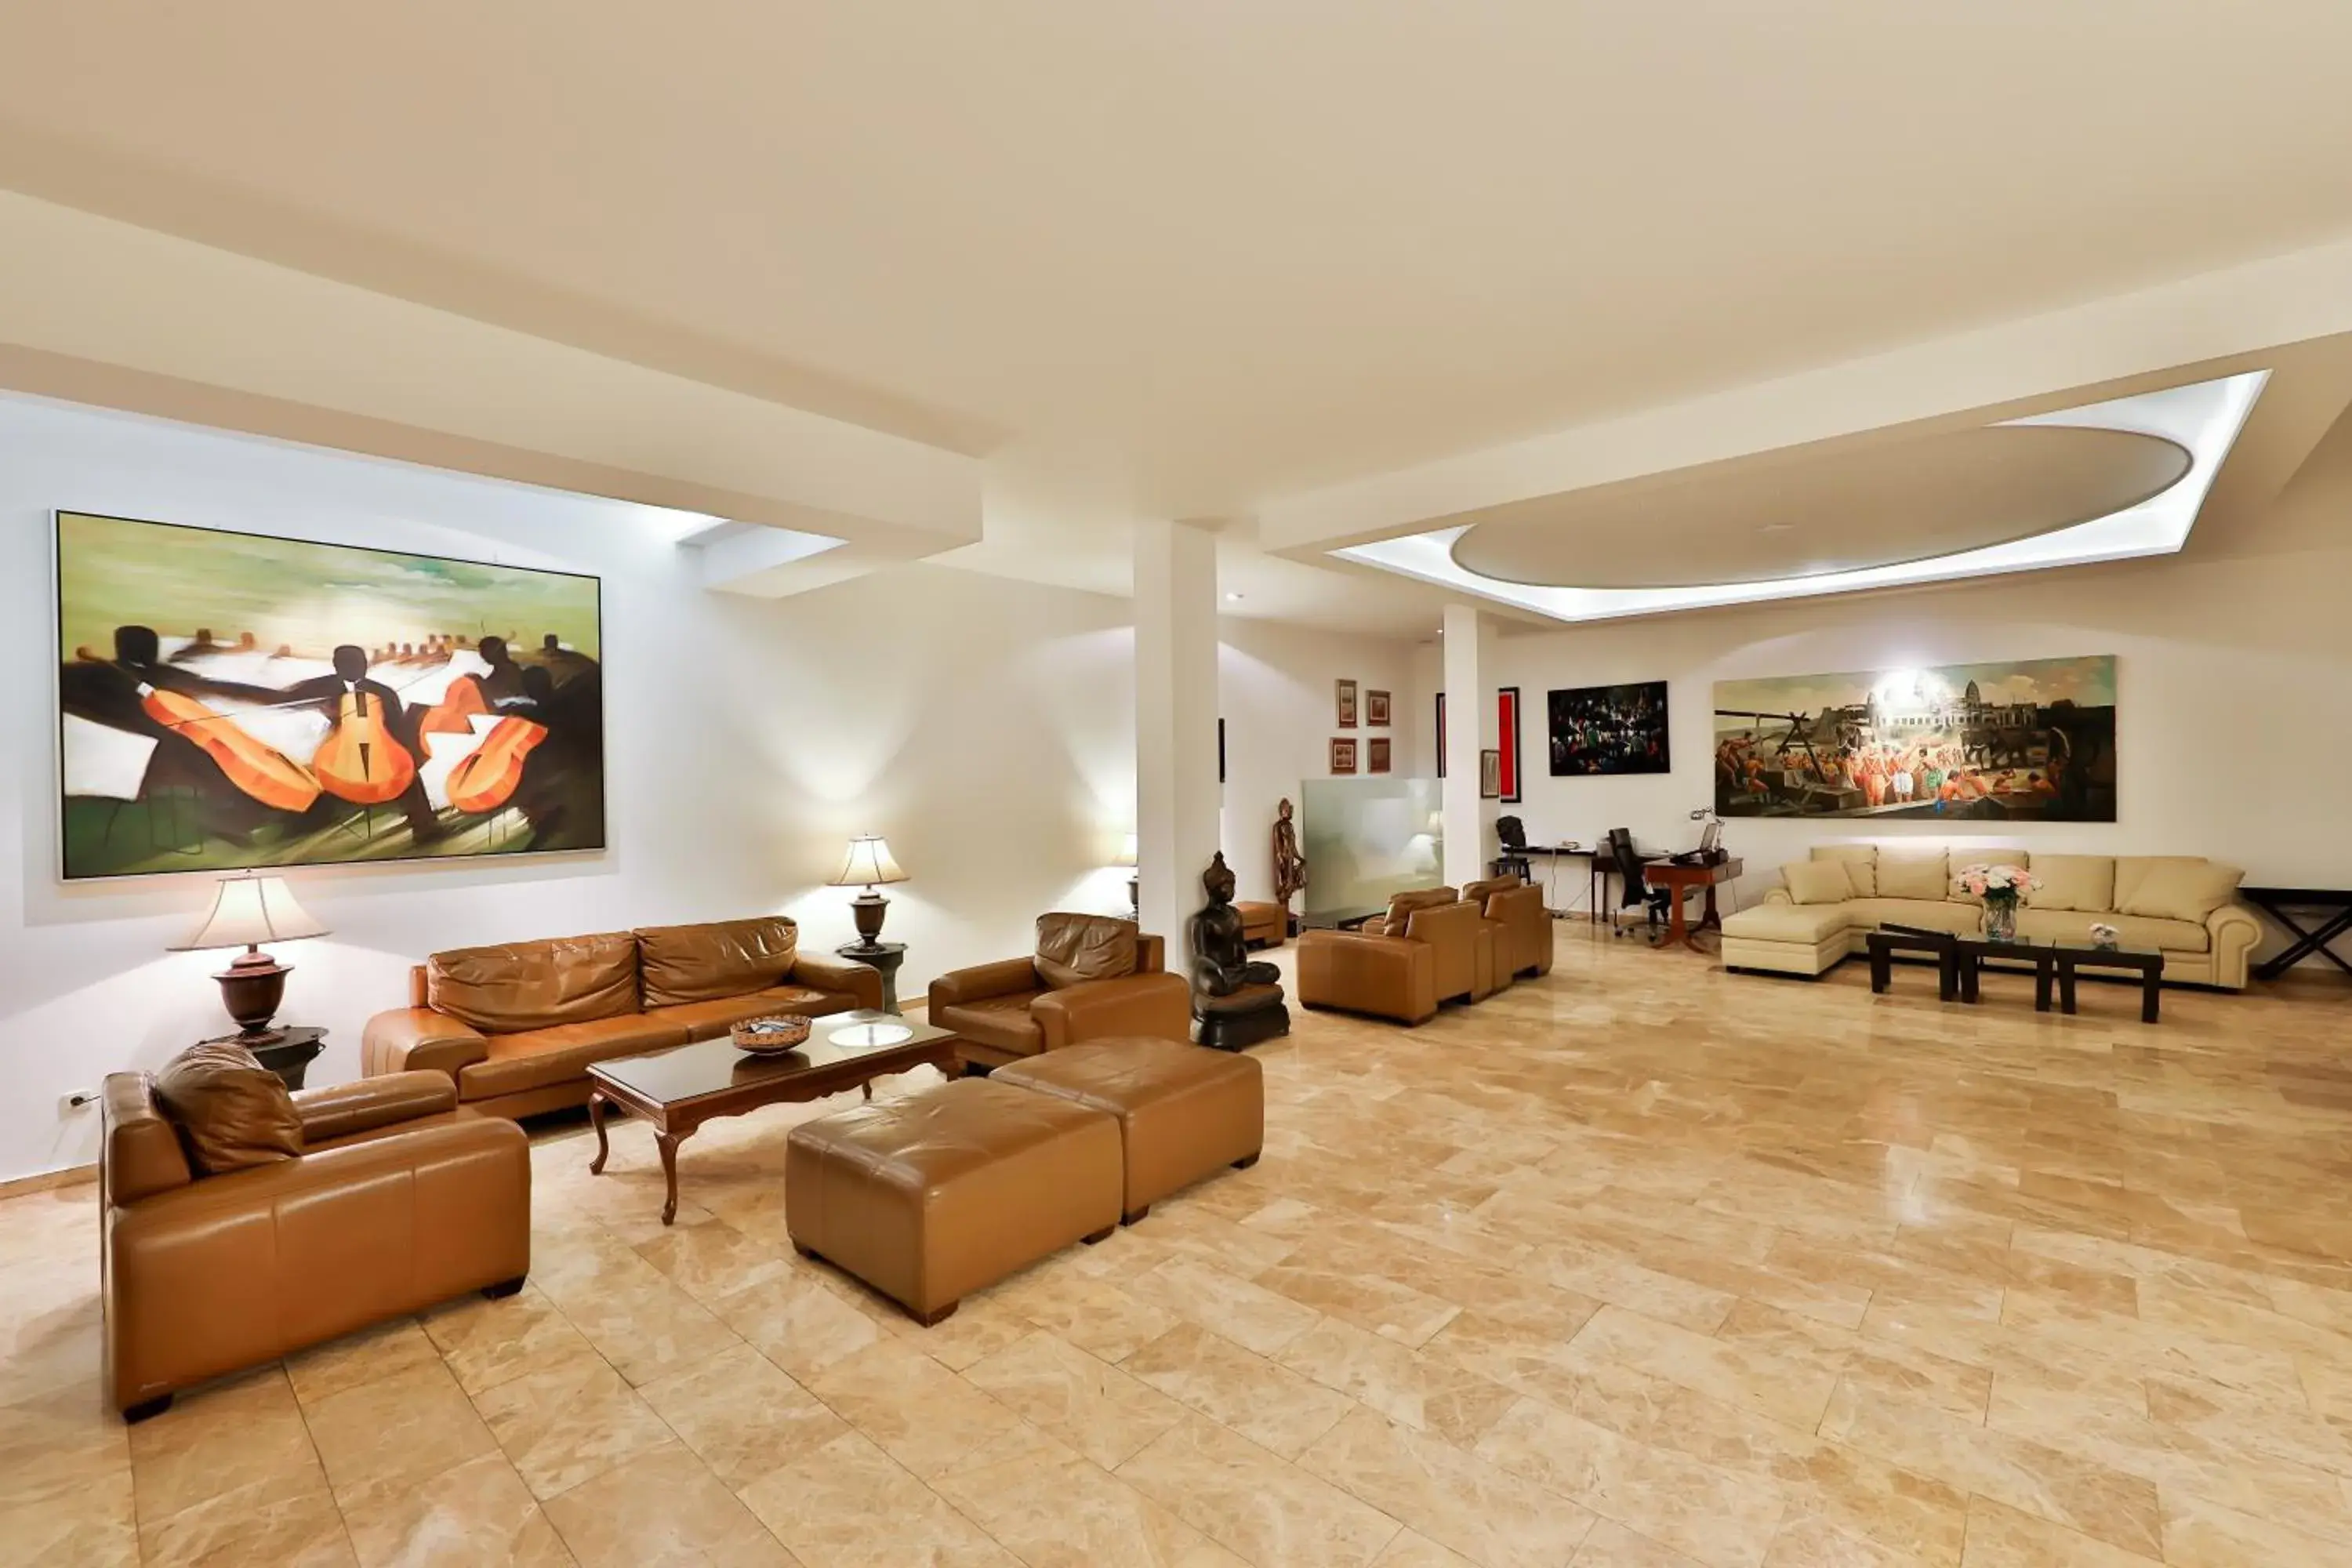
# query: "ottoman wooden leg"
(1245, 1164)
(932, 1319)
(1105, 1233)
(1140, 1213)
(809, 1253)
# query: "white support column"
(1470, 729)
(1177, 795)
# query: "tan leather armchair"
(1522, 926)
(399, 1199)
(1092, 978)
(1429, 948)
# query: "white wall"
(2235, 675)
(986, 726)
(1279, 697)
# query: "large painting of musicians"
(1610, 730)
(228, 701)
(2031, 740)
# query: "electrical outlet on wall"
(80, 1100)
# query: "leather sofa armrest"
(1391, 975)
(1156, 1005)
(367, 1103)
(414, 1039)
(982, 981)
(862, 981)
(2235, 931)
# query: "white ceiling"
(1157, 259)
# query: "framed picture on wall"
(1507, 730)
(1600, 729)
(1343, 754)
(1376, 754)
(1441, 734)
(1347, 702)
(1376, 709)
(230, 702)
(1490, 776)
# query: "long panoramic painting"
(2031, 739)
(228, 701)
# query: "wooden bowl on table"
(772, 1035)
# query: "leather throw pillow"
(231, 1113)
(1071, 949)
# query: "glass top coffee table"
(678, 1089)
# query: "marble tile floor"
(1643, 1264)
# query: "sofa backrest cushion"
(1073, 949)
(714, 960)
(2084, 882)
(524, 985)
(1966, 855)
(1402, 905)
(1861, 862)
(2131, 869)
(1817, 881)
(1912, 874)
(231, 1113)
(2182, 890)
(1480, 891)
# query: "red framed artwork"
(1507, 735)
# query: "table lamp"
(247, 912)
(867, 864)
(1129, 852)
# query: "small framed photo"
(1376, 754)
(1343, 754)
(1347, 694)
(1376, 709)
(1490, 776)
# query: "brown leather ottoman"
(1184, 1111)
(931, 1198)
(1263, 924)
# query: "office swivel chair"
(1633, 886)
(1512, 835)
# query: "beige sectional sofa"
(2183, 904)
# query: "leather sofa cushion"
(544, 1057)
(715, 960)
(231, 1113)
(2132, 870)
(2073, 882)
(529, 985)
(1003, 1022)
(1402, 905)
(1861, 862)
(1981, 855)
(709, 1020)
(1478, 892)
(1912, 874)
(1817, 881)
(1791, 922)
(1928, 914)
(2181, 890)
(1071, 949)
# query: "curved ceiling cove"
(1879, 506)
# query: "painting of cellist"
(227, 701)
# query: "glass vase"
(2001, 918)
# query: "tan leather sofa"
(1522, 926)
(1431, 947)
(517, 1025)
(1889, 883)
(399, 1198)
(1263, 924)
(1090, 978)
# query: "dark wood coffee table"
(1889, 939)
(2058, 961)
(679, 1090)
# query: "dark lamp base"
(868, 909)
(251, 989)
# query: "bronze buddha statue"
(1238, 1001)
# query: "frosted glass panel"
(1367, 838)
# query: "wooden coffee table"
(679, 1090)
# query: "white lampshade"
(869, 863)
(1128, 851)
(248, 911)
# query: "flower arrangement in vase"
(1999, 887)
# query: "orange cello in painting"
(359, 762)
(452, 715)
(486, 779)
(252, 765)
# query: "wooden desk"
(1681, 879)
(1597, 868)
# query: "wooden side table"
(886, 956)
(289, 1057)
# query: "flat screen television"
(1604, 729)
